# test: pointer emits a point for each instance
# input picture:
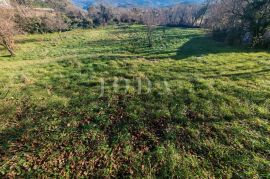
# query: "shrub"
(41, 24)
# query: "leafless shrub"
(39, 21)
(150, 18)
(179, 15)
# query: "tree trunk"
(11, 51)
(8, 46)
(149, 36)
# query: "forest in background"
(236, 22)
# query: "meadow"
(193, 107)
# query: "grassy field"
(202, 110)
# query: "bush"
(42, 24)
(79, 21)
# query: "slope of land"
(207, 114)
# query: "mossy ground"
(207, 114)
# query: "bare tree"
(150, 18)
(202, 12)
(101, 14)
(7, 30)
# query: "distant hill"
(127, 3)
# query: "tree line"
(237, 22)
(240, 21)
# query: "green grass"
(209, 120)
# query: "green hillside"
(206, 114)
